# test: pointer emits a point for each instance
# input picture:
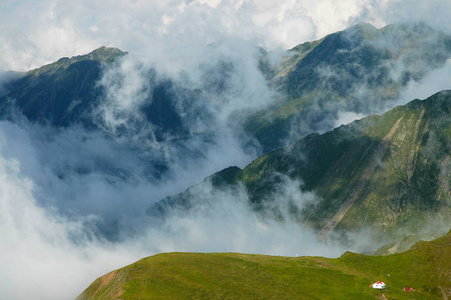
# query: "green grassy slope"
(425, 267)
(394, 168)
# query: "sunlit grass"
(243, 276)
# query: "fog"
(73, 201)
(431, 83)
(51, 29)
(54, 221)
(39, 257)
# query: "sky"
(33, 33)
(53, 252)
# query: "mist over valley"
(214, 139)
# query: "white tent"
(379, 285)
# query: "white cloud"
(36, 32)
(223, 221)
(49, 256)
(435, 81)
(39, 260)
(346, 117)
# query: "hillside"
(63, 92)
(360, 69)
(387, 172)
(425, 267)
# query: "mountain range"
(109, 119)
(361, 70)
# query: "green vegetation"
(102, 55)
(63, 92)
(392, 169)
(394, 166)
(348, 71)
(425, 267)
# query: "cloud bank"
(87, 190)
(50, 251)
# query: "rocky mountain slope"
(63, 92)
(361, 69)
(70, 92)
(424, 268)
(387, 173)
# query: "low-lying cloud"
(433, 82)
(51, 254)
(39, 258)
(75, 198)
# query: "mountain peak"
(101, 55)
(104, 54)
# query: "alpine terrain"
(228, 148)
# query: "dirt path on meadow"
(105, 280)
(444, 292)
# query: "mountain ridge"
(68, 93)
(361, 69)
(393, 166)
(102, 54)
(63, 92)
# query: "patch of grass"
(424, 267)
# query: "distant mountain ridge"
(61, 93)
(67, 93)
(361, 69)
